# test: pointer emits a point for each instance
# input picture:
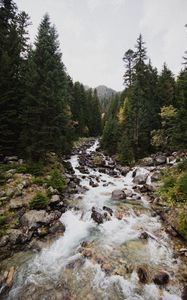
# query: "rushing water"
(61, 272)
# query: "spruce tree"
(128, 60)
(45, 109)
(13, 49)
(166, 87)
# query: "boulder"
(140, 179)
(160, 160)
(55, 199)
(108, 209)
(147, 162)
(58, 227)
(14, 236)
(16, 204)
(36, 218)
(124, 170)
(128, 193)
(142, 275)
(96, 216)
(146, 188)
(118, 195)
(161, 278)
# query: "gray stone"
(118, 195)
(54, 199)
(14, 235)
(128, 193)
(160, 160)
(35, 218)
(147, 161)
(140, 179)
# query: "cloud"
(94, 34)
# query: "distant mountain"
(105, 96)
(104, 92)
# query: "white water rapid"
(60, 271)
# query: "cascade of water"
(116, 236)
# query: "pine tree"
(13, 41)
(45, 115)
(166, 87)
(95, 115)
(128, 60)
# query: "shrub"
(174, 188)
(39, 201)
(39, 180)
(35, 169)
(57, 181)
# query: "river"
(111, 252)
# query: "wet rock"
(140, 179)
(96, 216)
(108, 209)
(142, 275)
(144, 235)
(147, 161)
(161, 278)
(123, 170)
(93, 184)
(118, 195)
(146, 188)
(184, 293)
(160, 160)
(128, 193)
(58, 227)
(35, 218)
(106, 216)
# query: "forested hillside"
(42, 109)
(151, 113)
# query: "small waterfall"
(116, 241)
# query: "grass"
(39, 201)
(57, 181)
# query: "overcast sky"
(94, 34)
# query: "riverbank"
(120, 244)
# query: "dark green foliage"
(45, 116)
(39, 201)
(174, 188)
(57, 181)
(13, 46)
(152, 114)
(166, 87)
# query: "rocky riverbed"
(112, 242)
